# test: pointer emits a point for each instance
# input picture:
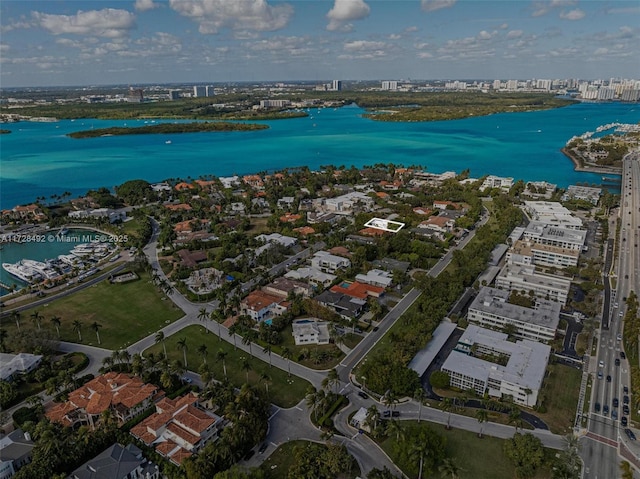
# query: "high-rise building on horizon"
(390, 85)
(199, 91)
(336, 85)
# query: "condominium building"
(552, 213)
(487, 362)
(491, 309)
(585, 193)
(526, 280)
(546, 234)
(528, 253)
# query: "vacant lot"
(283, 390)
(125, 312)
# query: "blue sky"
(151, 41)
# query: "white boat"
(45, 270)
(22, 272)
(168, 142)
(63, 231)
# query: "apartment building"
(491, 309)
(525, 279)
(487, 362)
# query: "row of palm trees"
(56, 321)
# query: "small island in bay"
(194, 127)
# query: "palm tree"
(37, 318)
(372, 417)
(215, 315)
(449, 468)
(96, 328)
(420, 447)
(332, 379)
(182, 344)
(233, 329)
(160, 339)
(264, 377)
(527, 391)
(202, 351)
(246, 367)
(77, 327)
(287, 354)
(220, 356)
(16, 317)
(447, 405)
(482, 416)
(203, 316)
(267, 349)
(514, 418)
(55, 320)
(419, 396)
(394, 427)
(389, 399)
(248, 339)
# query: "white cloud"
(108, 22)
(363, 45)
(144, 5)
(514, 34)
(4, 48)
(411, 29)
(575, 14)
(485, 35)
(601, 51)
(542, 8)
(15, 26)
(212, 15)
(345, 11)
(394, 36)
(425, 55)
(433, 5)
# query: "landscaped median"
(284, 391)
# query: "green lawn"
(477, 458)
(127, 312)
(283, 390)
(333, 354)
(561, 389)
(277, 465)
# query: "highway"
(611, 371)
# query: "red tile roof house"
(260, 306)
(179, 427)
(438, 223)
(124, 395)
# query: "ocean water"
(37, 159)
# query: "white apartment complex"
(528, 253)
(520, 377)
(546, 234)
(552, 213)
(491, 309)
(525, 279)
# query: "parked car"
(263, 447)
(630, 434)
(625, 409)
(386, 414)
(363, 395)
(376, 328)
(615, 402)
(395, 413)
(625, 399)
(625, 389)
(597, 407)
(605, 410)
(614, 414)
(624, 421)
(622, 355)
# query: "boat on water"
(45, 270)
(22, 272)
(168, 142)
(63, 231)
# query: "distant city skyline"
(199, 41)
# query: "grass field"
(283, 390)
(477, 458)
(126, 312)
(278, 463)
(561, 389)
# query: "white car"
(601, 363)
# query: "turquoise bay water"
(37, 159)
